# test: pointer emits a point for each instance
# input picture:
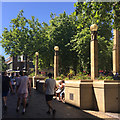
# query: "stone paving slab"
(113, 115)
(37, 109)
(99, 114)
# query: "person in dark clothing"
(5, 88)
(13, 82)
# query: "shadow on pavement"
(37, 109)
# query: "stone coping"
(94, 83)
(36, 77)
(106, 82)
(80, 80)
(77, 83)
(89, 80)
(41, 81)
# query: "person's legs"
(18, 104)
(24, 102)
(49, 103)
(59, 96)
(62, 97)
(5, 100)
(13, 86)
(4, 96)
(5, 103)
(58, 93)
(56, 96)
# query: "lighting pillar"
(56, 48)
(116, 52)
(36, 63)
(94, 51)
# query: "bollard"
(33, 81)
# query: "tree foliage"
(3, 65)
(99, 12)
(70, 32)
(89, 13)
(62, 28)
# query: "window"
(18, 58)
(10, 66)
(71, 96)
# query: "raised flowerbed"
(79, 93)
(102, 95)
(107, 95)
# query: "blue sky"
(40, 10)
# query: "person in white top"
(60, 90)
(50, 85)
(22, 90)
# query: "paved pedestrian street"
(37, 109)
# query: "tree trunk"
(26, 68)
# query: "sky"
(40, 10)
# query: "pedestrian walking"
(6, 83)
(50, 85)
(13, 82)
(17, 77)
(29, 90)
(22, 91)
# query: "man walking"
(22, 91)
(6, 83)
(50, 85)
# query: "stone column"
(56, 48)
(119, 51)
(94, 51)
(116, 52)
(36, 64)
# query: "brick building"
(17, 63)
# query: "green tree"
(87, 14)
(61, 29)
(100, 12)
(23, 38)
(3, 65)
(16, 40)
(70, 32)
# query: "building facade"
(17, 63)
